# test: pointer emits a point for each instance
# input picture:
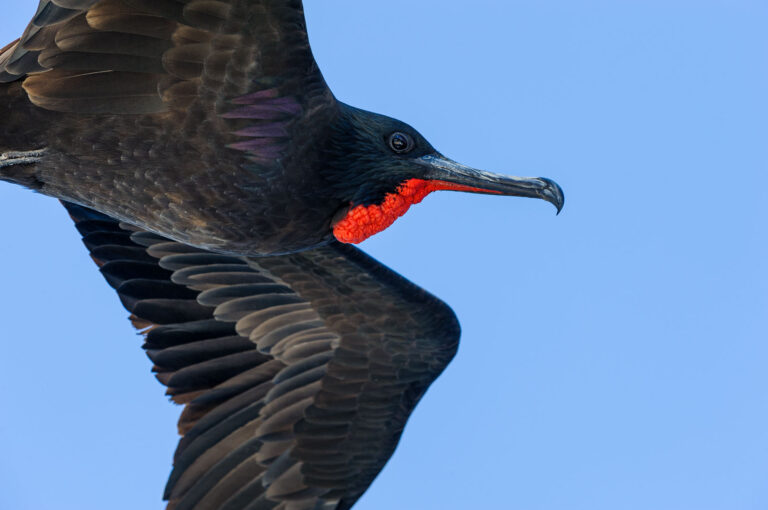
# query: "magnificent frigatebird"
(216, 181)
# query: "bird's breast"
(198, 192)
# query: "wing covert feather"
(155, 56)
(297, 372)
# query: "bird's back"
(183, 117)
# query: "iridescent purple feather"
(270, 116)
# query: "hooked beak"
(440, 168)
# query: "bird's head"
(380, 166)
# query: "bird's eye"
(400, 142)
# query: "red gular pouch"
(363, 221)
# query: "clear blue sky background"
(613, 357)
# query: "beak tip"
(553, 194)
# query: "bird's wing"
(297, 372)
(153, 56)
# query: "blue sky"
(613, 357)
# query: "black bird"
(215, 180)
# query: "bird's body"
(214, 178)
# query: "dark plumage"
(212, 174)
(288, 361)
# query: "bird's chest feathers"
(362, 221)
